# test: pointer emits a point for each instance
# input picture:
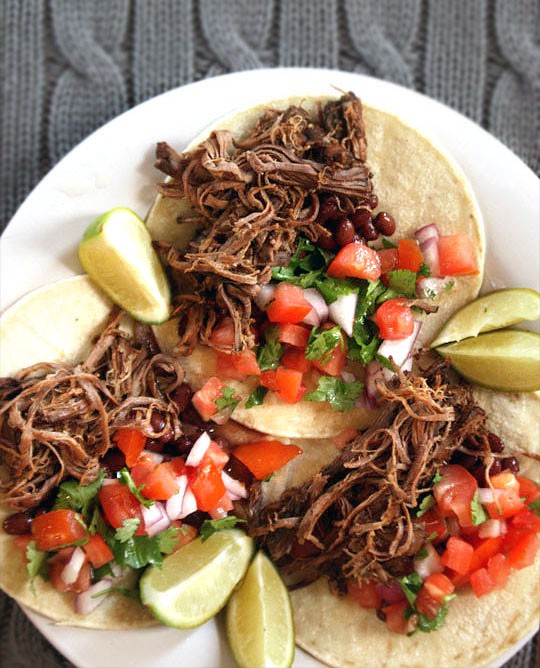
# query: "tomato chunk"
(439, 586)
(426, 604)
(288, 305)
(54, 571)
(295, 358)
(119, 504)
(434, 524)
(528, 490)
(481, 582)
(57, 528)
(356, 260)
(264, 457)
(484, 551)
(97, 551)
(498, 569)
(395, 618)
(289, 385)
(204, 399)
(142, 468)
(206, 484)
(335, 361)
(389, 259)
(131, 442)
(454, 493)
(246, 363)
(524, 551)
(366, 594)
(394, 319)
(294, 335)
(458, 555)
(409, 255)
(457, 256)
(160, 483)
(268, 379)
(525, 519)
(226, 368)
(215, 455)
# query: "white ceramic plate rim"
(113, 167)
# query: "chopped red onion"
(155, 518)
(487, 495)
(108, 481)
(430, 251)
(492, 529)
(117, 571)
(71, 570)
(426, 232)
(319, 312)
(343, 310)
(426, 288)
(174, 503)
(198, 450)
(429, 564)
(265, 296)
(399, 349)
(390, 593)
(236, 489)
(374, 372)
(85, 602)
(348, 377)
(189, 504)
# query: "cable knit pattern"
(68, 66)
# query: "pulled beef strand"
(251, 199)
(354, 520)
(56, 420)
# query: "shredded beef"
(355, 520)
(57, 420)
(251, 200)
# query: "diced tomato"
(528, 490)
(268, 379)
(366, 594)
(499, 570)
(204, 399)
(223, 506)
(186, 534)
(264, 457)
(394, 319)
(438, 586)
(223, 334)
(454, 493)
(505, 480)
(395, 618)
(507, 504)
(178, 466)
(523, 553)
(289, 304)
(434, 523)
(289, 385)
(97, 551)
(336, 361)
(246, 363)
(389, 259)
(226, 368)
(57, 528)
(526, 519)
(345, 436)
(161, 483)
(484, 551)
(356, 260)
(215, 455)
(458, 555)
(54, 571)
(457, 256)
(426, 604)
(144, 465)
(131, 442)
(294, 335)
(206, 484)
(481, 582)
(295, 358)
(119, 504)
(409, 255)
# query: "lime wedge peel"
(116, 251)
(507, 360)
(259, 619)
(195, 582)
(496, 310)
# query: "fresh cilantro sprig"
(321, 343)
(425, 505)
(270, 352)
(534, 507)
(307, 265)
(411, 586)
(127, 530)
(80, 498)
(210, 527)
(228, 399)
(339, 394)
(125, 478)
(256, 398)
(478, 513)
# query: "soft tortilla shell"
(415, 182)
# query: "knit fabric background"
(68, 66)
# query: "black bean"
(369, 232)
(385, 223)
(373, 201)
(495, 443)
(239, 471)
(328, 209)
(18, 524)
(113, 461)
(328, 243)
(495, 467)
(154, 446)
(360, 218)
(510, 464)
(182, 396)
(345, 232)
(157, 421)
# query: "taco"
(413, 180)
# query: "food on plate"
(285, 231)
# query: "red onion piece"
(492, 529)
(319, 312)
(374, 372)
(108, 481)
(429, 564)
(426, 232)
(343, 310)
(235, 488)
(71, 570)
(426, 288)
(155, 518)
(348, 377)
(173, 505)
(265, 296)
(189, 504)
(85, 602)
(399, 349)
(198, 450)
(430, 251)
(391, 593)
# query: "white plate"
(114, 167)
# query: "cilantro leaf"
(424, 271)
(321, 343)
(431, 537)
(427, 625)
(270, 352)
(127, 530)
(534, 507)
(210, 527)
(168, 539)
(388, 244)
(421, 554)
(227, 399)
(436, 478)
(80, 498)
(448, 286)
(36, 562)
(403, 281)
(339, 394)
(332, 288)
(426, 503)
(98, 525)
(129, 593)
(411, 585)
(306, 266)
(125, 478)
(477, 511)
(137, 552)
(269, 477)
(256, 397)
(385, 362)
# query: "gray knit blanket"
(68, 66)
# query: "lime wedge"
(495, 310)
(195, 582)
(259, 618)
(116, 252)
(507, 360)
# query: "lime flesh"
(506, 360)
(116, 252)
(495, 310)
(194, 583)
(259, 619)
